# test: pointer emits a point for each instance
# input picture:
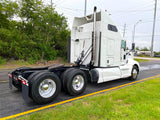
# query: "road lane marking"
(4, 81)
(76, 98)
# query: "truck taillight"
(23, 80)
(10, 75)
(15, 78)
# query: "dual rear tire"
(45, 86)
(74, 81)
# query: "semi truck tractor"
(98, 53)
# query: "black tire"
(30, 79)
(36, 82)
(63, 77)
(70, 77)
(134, 73)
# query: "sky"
(122, 12)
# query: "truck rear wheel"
(63, 77)
(45, 87)
(134, 73)
(30, 79)
(76, 81)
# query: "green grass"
(138, 102)
(141, 60)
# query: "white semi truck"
(98, 52)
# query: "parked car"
(157, 55)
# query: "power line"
(135, 11)
(157, 20)
(129, 11)
(119, 11)
(59, 2)
(70, 12)
(72, 9)
(148, 3)
(137, 8)
(144, 36)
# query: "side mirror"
(123, 44)
(133, 46)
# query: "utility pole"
(154, 23)
(124, 31)
(51, 3)
(85, 9)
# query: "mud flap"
(25, 88)
(25, 92)
(10, 82)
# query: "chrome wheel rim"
(78, 82)
(47, 88)
(135, 73)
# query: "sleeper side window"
(112, 28)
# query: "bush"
(2, 61)
(157, 53)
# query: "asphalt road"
(11, 101)
(4, 75)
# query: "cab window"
(112, 28)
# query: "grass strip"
(141, 60)
(13, 64)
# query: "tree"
(7, 10)
(137, 48)
(145, 49)
(41, 34)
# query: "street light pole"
(154, 23)
(133, 34)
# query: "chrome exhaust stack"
(94, 37)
